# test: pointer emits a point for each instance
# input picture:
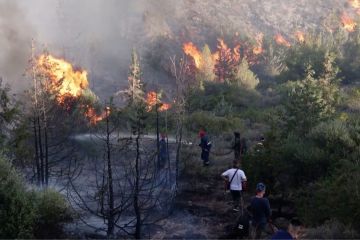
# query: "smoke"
(98, 35)
(15, 44)
(95, 35)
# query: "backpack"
(242, 225)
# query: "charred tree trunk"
(46, 149)
(37, 162)
(178, 151)
(111, 219)
(137, 189)
(46, 156)
(157, 135)
(41, 152)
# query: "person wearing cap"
(294, 231)
(235, 176)
(260, 208)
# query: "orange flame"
(152, 99)
(165, 107)
(63, 77)
(300, 36)
(348, 23)
(93, 117)
(191, 50)
(354, 3)
(67, 83)
(279, 39)
(222, 46)
(258, 49)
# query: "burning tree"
(57, 98)
(226, 64)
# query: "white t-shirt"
(238, 178)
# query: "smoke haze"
(98, 35)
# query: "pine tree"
(245, 77)
(206, 68)
(135, 92)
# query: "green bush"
(213, 124)
(28, 214)
(17, 213)
(52, 210)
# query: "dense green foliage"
(308, 114)
(28, 214)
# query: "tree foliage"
(245, 77)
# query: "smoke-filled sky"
(98, 35)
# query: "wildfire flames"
(348, 23)
(91, 114)
(63, 79)
(279, 39)
(66, 83)
(300, 36)
(355, 3)
(191, 50)
(152, 99)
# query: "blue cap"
(260, 187)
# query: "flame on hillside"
(354, 3)
(279, 39)
(235, 52)
(66, 83)
(300, 36)
(348, 23)
(165, 107)
(191, 50)
(63, 79)
(153, 98)
(93, 117)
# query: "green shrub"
(213, 124)
(28, 214)
(17, 213)
(245, 77)
(52, 211)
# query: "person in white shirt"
(235, 176)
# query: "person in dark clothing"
(294, 231)
(237, 146)
(205, 147)
(243, 146)
(260, 208)
(162, 152)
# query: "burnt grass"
(203, 210)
